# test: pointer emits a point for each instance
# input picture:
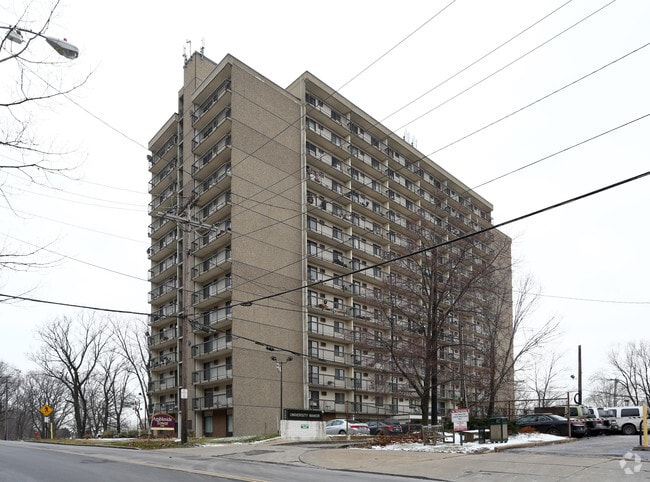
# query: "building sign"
(459, 418)
(162, 421)
(307, 415)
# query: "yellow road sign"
(46, 410)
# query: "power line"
(460, 238)
(74, 259)
(60, 303)
(506, 65)
(503, 44)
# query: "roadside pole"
(645, 425)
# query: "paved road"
(593, 460)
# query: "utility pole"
(186, 222)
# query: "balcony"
(163, 179)
(210, 347)
(164, 269)
(160, 227)
(163, 384)
(212, 374)
(164, 407)
(165, 292)
(202, 114)
(206, 269)
(328, 331)
(164, 200)
(164, 362)
(212, 319)
(164, 338)
(164, 314)
(214, 184)
(218, 237)
(330, 234)
(212, 159)
(216, 209)
(163, 247)
(165, 153)
(216, 129)
(212, 402)
(213, 293)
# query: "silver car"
(339, 426)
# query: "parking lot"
(602, 445)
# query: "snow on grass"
(470, 447)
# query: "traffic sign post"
(46, 410)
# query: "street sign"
(46, 410)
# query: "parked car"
(629, 419)
(412, 427)
(339, 426)
(604, 421)
(552, 424)
(380, 428)
(394, 424)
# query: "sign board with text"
(459, 418)
(162, 421)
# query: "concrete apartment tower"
(282, 197)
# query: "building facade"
(275, 215)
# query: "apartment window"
(339, 398)
(339, 374)
(312, 273)
(312, 224)
(376, 250)
(313, 324)
(314, 374)
(337, 233)
(336, 163)
(312, 248)
(379, 401)
(338, 350)
(338, 327)
(337, 187)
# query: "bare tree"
(37, 389)
(130, 338)
(70, 353)
(511, 337)
(428, 299)
(630, 368)
(32, 80)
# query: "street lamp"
(280, 366)
(62, 47)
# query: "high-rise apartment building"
(275, 215)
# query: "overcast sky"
(414, 71)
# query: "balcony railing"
(212, 402)
(213, 289)
(212, 346)
(222, 372)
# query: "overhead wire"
(271, 347)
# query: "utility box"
(498, 429)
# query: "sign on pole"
(46, 410)
(459, 418)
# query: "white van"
(629, 419)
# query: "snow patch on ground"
(470, 447)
